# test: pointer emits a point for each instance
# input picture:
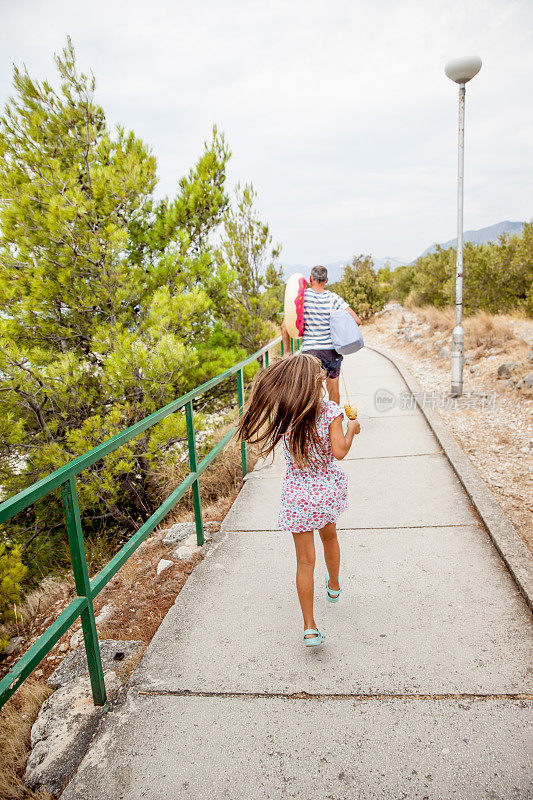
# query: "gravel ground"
(493, 421)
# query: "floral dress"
(312, 497)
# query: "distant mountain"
(481, 236)
(335, 268)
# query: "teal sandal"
(312, 641)
(333, 595)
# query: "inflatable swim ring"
(294, 305)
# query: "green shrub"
(498, 276)
(12, 572)
(365, 290)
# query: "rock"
(105, 611)
(508, 382)
(412, 336)
(114, 653)
(504, 370)
(473, 368)
(182, 553)
(468, 359)
(181, 530)
(163, 565)
(444, 352)
(75, 640)
(178, 532)
(187, 549)
(62, 732)
(530, 355)
(528, 380)
(13, 646)
(63, 647)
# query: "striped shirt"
(317, 306)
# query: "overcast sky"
(339, 112)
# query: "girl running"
(287, 404)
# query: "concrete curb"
(504, 535)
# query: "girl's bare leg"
(332, 553)
(305, 567)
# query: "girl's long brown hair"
(286, 397)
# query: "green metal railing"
(87, 589)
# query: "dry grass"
(16, 719)
(220, 481)
(482, 330)
(489, 330)
(439, 319)
(38, 602)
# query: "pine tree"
(107, 303)
(247, 258)
(12, 572)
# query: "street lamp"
(460, 70)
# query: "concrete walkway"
(418, 691)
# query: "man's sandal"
(333, 595)
(312, 641)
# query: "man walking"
(318, 302)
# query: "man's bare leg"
(332, 385)
(286, 339)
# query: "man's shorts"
(330, 360)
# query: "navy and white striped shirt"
(317, 306)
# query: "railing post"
(292, 345)
(83, 589)
(282, 348)
(266, 358)
(240, 394)
(191, 438)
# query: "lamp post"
(460, 70)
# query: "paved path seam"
(363, 528)
(369, 458)
(341, 695)
(406, 455)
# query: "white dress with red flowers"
(312, 497)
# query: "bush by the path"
(498, 277)
(364, 289)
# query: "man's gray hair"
(319, 274)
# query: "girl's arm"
(340, 441)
